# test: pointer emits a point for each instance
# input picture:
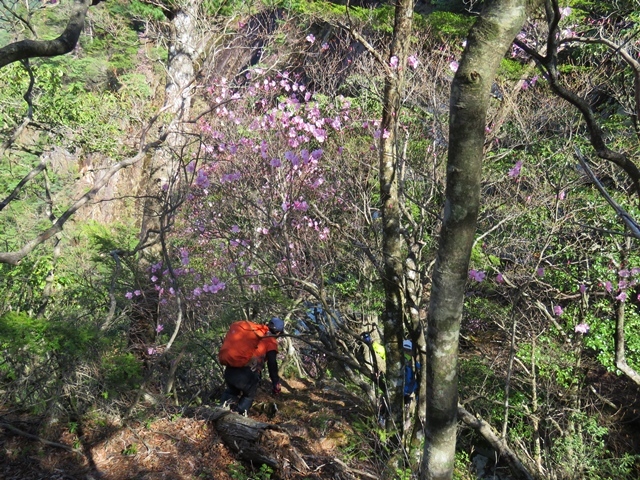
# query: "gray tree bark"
(487, 43)
(393, 250)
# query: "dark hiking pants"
(242, 385)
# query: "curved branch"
(549, 63)
(65, 43)
(518, 469)
(41, 166)
(44, 441)
(621, 359)
(626, 56)
(14, 258)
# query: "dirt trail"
(318, 418)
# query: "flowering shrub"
(269, 200)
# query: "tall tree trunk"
(488, 41)
(164, 167)
(162, 185)
(392, 245)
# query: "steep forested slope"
(237, 149)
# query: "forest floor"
(329, 426)
(170, 446)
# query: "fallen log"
(252, 440)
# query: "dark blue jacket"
(410, 379)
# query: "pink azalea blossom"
(476, 275)
(608, 286)
(582, 288)
(622, 296)
(159, 328)
(413, 61)
(499, 278)
(557, 310)
(151, 351)
(582, 328)
(129, 295)
(515, 171)
(565, 12)
(454, 66)
(393, 62)
(310, 38)
(300, 205)
(202, 180)
(540, 272)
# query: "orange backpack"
(242, 343)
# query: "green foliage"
(121, 371)
(135, 86)
(511, 69)
(223, 8)
(130, 450)
(601, 320)
(403, 474)
(461, 469)
(582, 452)
(19, 331)
(450, 26)
(237, 471)
(93, 117)
(146, 11)
(15, 81)
(103, 239)
(599, 9)
(21, 286)
(25, 339)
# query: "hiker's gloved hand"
(276, 389)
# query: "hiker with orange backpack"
(244, 351)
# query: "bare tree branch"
(41, 166)
(621, 358)
(14, 258)
(549, 63)
(499, 445)
(22, 433)
(626, 56)
(631, 224)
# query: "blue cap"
(276, 324)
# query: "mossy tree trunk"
(487, 43)
(393, 249)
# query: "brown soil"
(165, 446)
